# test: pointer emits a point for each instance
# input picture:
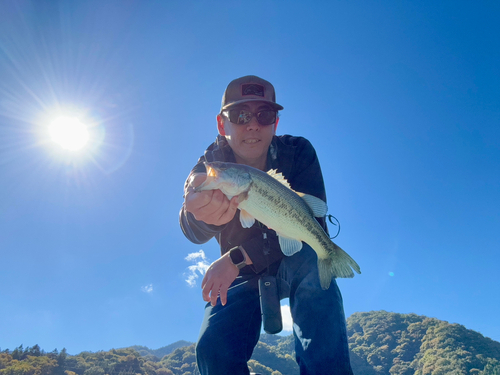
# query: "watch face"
(236, 256)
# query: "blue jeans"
(230, 333)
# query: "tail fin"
(338, 264)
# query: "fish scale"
(267, 197)
(271, 207)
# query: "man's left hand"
(218, 279)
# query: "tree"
(94, 370)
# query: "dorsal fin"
(279, 177)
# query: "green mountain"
(404, 344)
(161, 352)
(381, 343)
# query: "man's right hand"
(209, 206)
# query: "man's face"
(249, 142)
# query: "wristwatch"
(237, 257)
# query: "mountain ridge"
(380, 342)
(160, 352)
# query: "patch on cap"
(252, 89)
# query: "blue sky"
(400, 99)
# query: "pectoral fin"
(246, 219)
(318, 207)
(289, 246)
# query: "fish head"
(231, 178)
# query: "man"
(231, 327)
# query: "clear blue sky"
(401, 100)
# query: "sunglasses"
(243, 117)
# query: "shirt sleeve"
(197, 231)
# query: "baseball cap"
(249, 89)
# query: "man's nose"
(253, 124)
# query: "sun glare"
(69, 132)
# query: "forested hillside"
(404, 344)
(161, 352)
(381, 343)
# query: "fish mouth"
(211, 172)
(211, 177)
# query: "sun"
(69, 132)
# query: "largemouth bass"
(268, 198)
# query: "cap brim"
(272, 104)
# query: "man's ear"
(220, 125)
(276, 125)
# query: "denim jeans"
(229, 333)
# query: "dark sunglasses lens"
(266, 117)
(242, 117)
(237, 116)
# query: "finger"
(230, 211)
(203, 282)
(213, 201)
(206, 291)
(196, 180)
(200, 199)
(214, 210)
(199, 204)
(219, 198)
(220, 205)
(223, 295)
(213, 295)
